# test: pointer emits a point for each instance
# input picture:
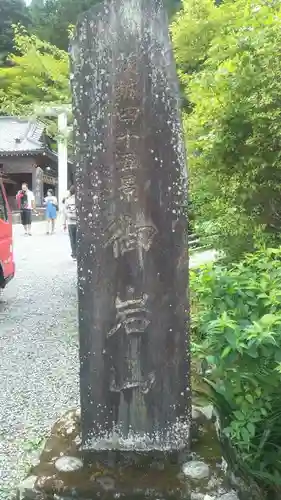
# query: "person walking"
(26, 203)
(70, 220)
(51, 204)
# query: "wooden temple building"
(26, 156)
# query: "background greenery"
(229, 66)
(228, 62)
(11, 12)
(48, 19)
(37, 73)
(237, 337)
(51, 18)
(34, 43)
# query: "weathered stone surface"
(197, 496)
(132, 259)
(246, 488)
(49, 484)
(200, 418)
(28, 483)
(27, 489)
(206, 411)
(107, 483)
(95, 480)
(68, 464)
(232, 495)
(196, 415)
(69, 424)
(196, 470)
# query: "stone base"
(65, 472)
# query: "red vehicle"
(7, 265)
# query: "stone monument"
(132, 247)
(132, 278)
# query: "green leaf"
(226, 352)
(277, 356)
(251, 429)
(239, 415)
(245, 435)
(230, 336)
(269, 319)
(249, 398)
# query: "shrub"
(237, 315)
(228, 61)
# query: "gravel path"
(39, 351)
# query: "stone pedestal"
(65, 473)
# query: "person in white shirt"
(26, 203)
(70, 220)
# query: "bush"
(228, 61)
(237, 316)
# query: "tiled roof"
(19, 136)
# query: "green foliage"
(38, 75)
(11, 12)
(172, 6)
(229, 62)
(51, 18)
(44, 20)
(237, 316)
(193, 29)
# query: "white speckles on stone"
(208, 411)
(68, 464)
(107, 483)
(202, 412)
(232, 495)
(196, 470)
(27, 486)
(196, 496)
(196, 415)
(78, 440)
